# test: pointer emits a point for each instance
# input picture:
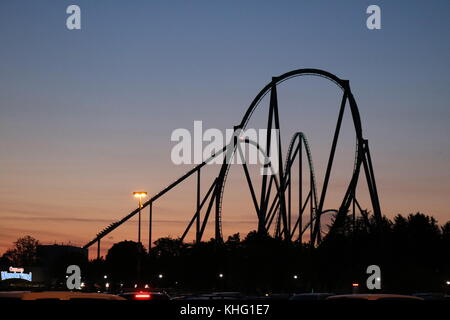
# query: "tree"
(123, 258)
(168, 247)
(24, 252)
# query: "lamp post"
(355, 287)
(221, 282)
(139, 195)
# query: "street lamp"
(139, 195)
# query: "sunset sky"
(86, 115)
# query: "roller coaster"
(273, 206)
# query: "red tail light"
(142, 296)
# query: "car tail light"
(142, 296)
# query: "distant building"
(54, 259)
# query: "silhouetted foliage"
(24, 252)
(122, 260)
(413, 253)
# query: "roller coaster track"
(214, 197)
(301, 136)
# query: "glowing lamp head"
(355, 285)
(140, 194)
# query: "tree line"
(413, 253)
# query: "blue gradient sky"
(86, 116)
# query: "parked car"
(144, 295)
(310, 296)
(57, 295)
(430, 295)
(213, 296)
(373, 297)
